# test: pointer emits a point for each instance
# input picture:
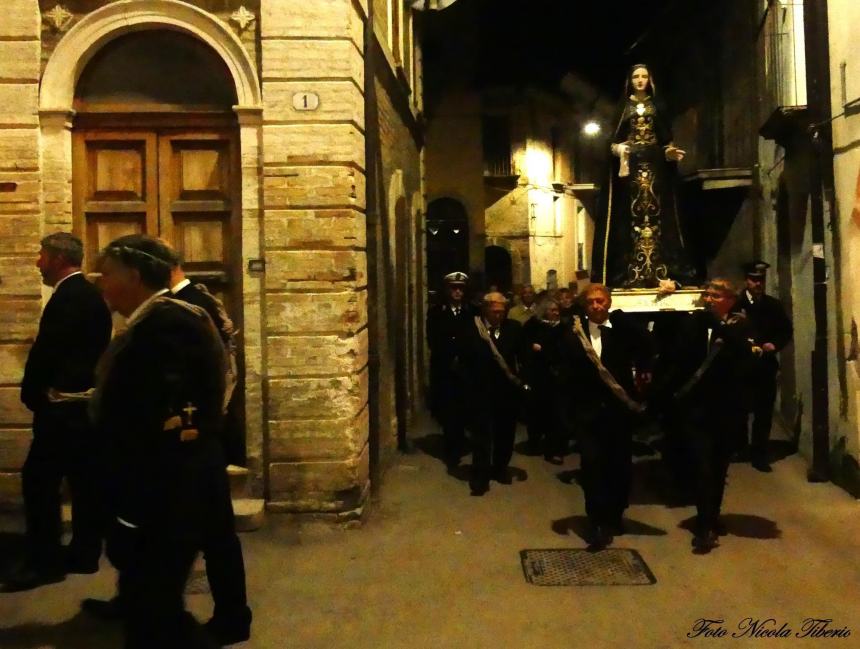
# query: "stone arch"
(75, 49)
(56, 115)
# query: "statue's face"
(640, 79)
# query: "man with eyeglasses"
(706, 383)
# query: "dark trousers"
(194, 513)
(449, 408)
(493, 440)
(763, 400)
(711, 441)
(606, 452)
(225, 565)
(548, 419)
(64, 446)
(152, 587)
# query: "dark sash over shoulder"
(484, 333)
(605, 374)
(714, 350)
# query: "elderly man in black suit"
(58, 379)
(706, 381)
(611, 358)
(490, 352)
(772, 331)
(159, 400)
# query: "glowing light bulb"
(591, 128)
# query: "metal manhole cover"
(580, 567)
(197, 584)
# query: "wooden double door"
(181, 185)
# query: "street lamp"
(591, 128)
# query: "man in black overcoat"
(73, 332)
(772, 331)
(159, 401)
(607, 405)
(445, 325)
(706, 382)
(490, 349)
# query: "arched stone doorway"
(498, 268)
(447, 240)
(177, 155)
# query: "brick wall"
(20, 228)
(316, 280)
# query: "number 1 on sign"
(306, 101)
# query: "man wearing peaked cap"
(445, 323)
(772, 331)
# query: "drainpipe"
(821, 209)
(371, 155)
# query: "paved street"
(434, 567)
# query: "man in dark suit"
(706, 381)
(58, 378)
(225, 566)
(490, 350)
(159, 400)
(445, 325)
(772, 331)
(606, 351)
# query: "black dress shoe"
(479, 488)
(227, 631)
(557, 460)
(704, 542)
(27, 578)
(103, 609)
(761, 465)
(600, 539)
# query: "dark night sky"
(512, 42)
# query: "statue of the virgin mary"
(638, 241)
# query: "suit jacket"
(768, 322)
(169, 358)
(724, 386)
(625, 346)
(74, 330)
(547, 368)
(443, 332)
(487, 383)
(195, 296)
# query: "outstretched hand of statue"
(674, 154)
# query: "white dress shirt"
(180, 285)
(595, 333)
(57, 285)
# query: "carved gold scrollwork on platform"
(646, 266)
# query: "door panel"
(115, 187)
(196, 206)
(171, 182)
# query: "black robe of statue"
(639, 238)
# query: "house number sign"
(306, 101)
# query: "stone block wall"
(316, 279)
(20, 228)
